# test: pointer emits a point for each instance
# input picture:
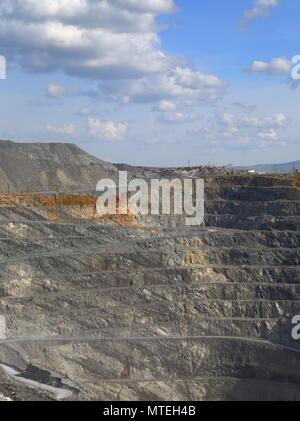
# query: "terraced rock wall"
(147, 308)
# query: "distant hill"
(287, 167)
(38, 167)
(47, 166)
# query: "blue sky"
(154, 82)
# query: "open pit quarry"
(143, 307)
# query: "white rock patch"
(2, 328)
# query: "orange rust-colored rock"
(66, 207)
(297, 182)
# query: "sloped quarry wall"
(2, 327)
(147, 308)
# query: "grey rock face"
(147, 308)
(2, 328)
(36, 167)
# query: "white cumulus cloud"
(167, 106)
(114, 42)
(189, 86)
(107, 130)
(271, 134)
(88, 38)
(277, 66)
(64, 130)
(278, 120)
(56, 91)
(178, 117)
(261, 8)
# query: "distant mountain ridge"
(49, 166)
(286, 167)
(40, 167)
